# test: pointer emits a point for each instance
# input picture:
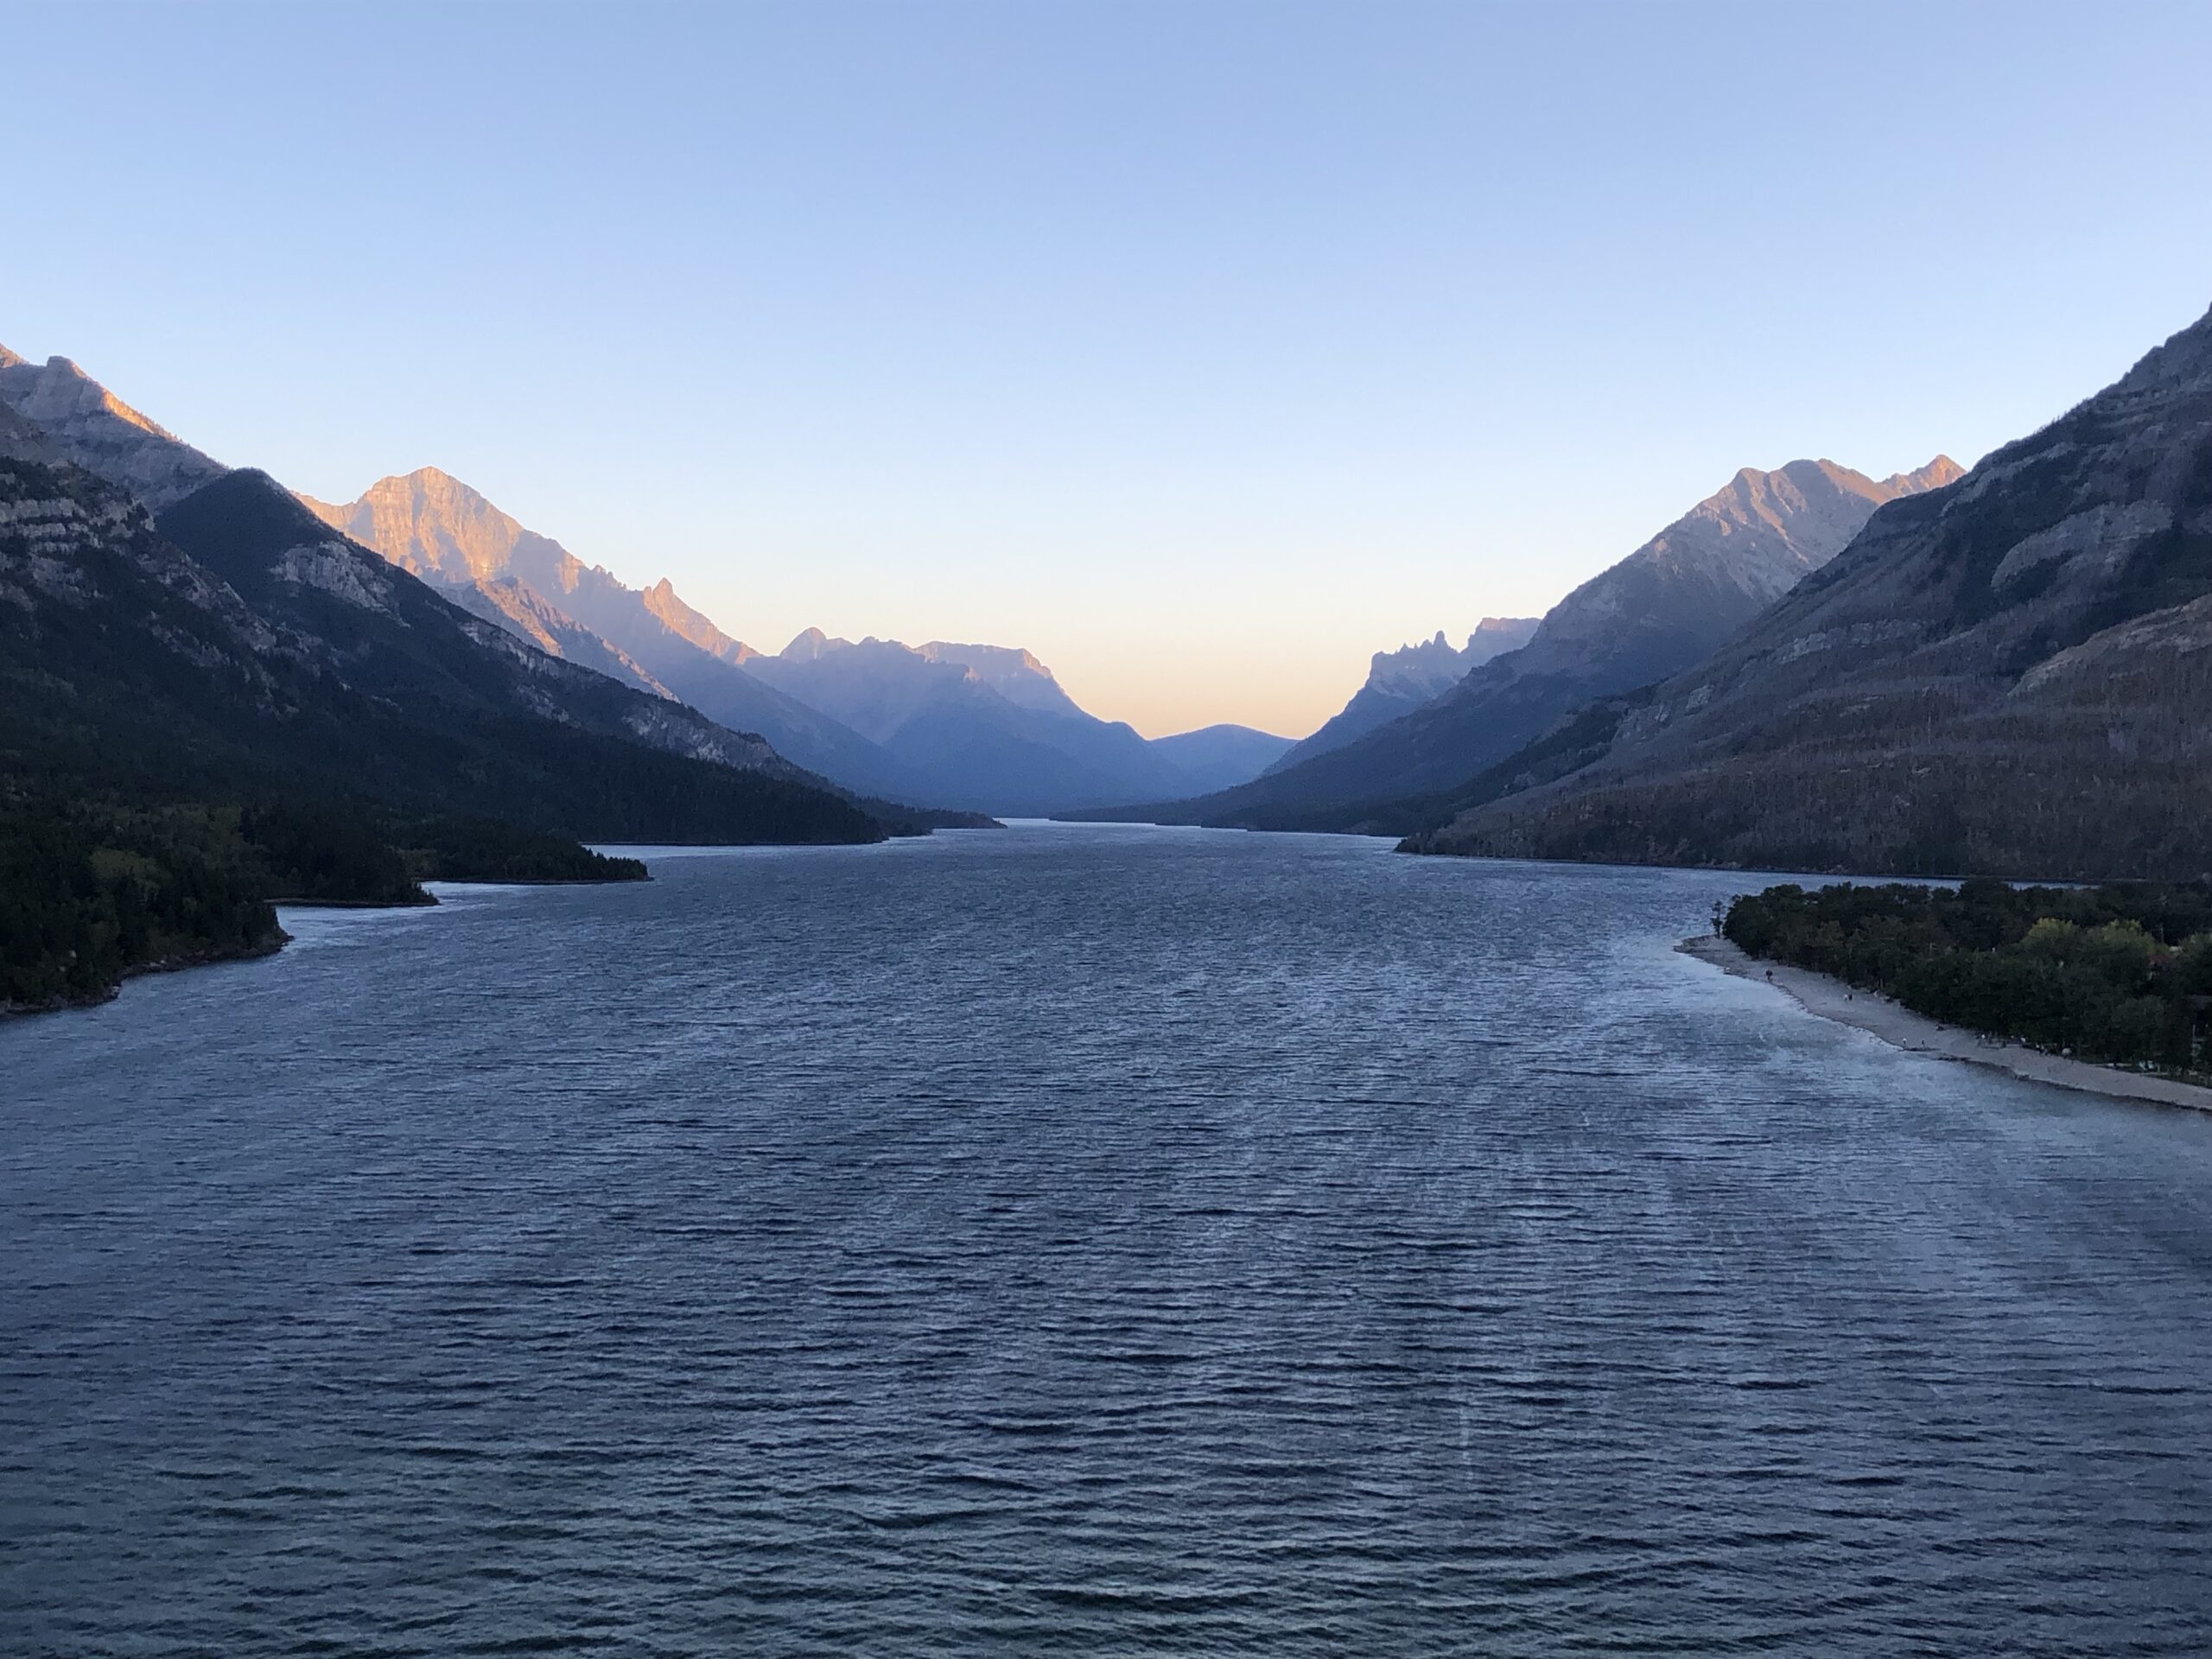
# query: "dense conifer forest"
(2120, 973)
(92, 891)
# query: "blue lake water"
(1078, 1240)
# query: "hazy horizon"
(1203, 352)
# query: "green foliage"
(321, 853)
(88, 895)
(2118, 973)
(485, 849)
(92, 891)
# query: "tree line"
(2120, 973)
(94, 890)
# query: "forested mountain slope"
(2011, 675)
(291, 661)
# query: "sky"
(1202, 348)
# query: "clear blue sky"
(1203, 348)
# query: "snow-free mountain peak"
(433, 524)
(85, 424)
(809, 645)
(1014, 673)
(662, 600)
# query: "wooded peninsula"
(2120, 974)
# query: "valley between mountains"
(218, 693)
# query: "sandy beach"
(1902, 1028)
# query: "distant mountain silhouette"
(1399, 681)
(986, 725)
(1219, 757)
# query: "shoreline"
(1832, 1000)
(268, 945)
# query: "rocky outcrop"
(1399, 681)
(79, 420)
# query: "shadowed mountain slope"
(1220, 757)
(437, 528)
(1399, 681)
(287, 659)
(2011, 675)
(1665, 606)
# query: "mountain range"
(437, 528)
(982, 723)
(2010, 674)
(1665, 606)
(943, 725)
(979, 726)
(173, 629)
(2002, 671)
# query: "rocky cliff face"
(1399, 681)
(81, 422)
(2010, 674)
(1690, 587)
(1014, 673)
(433, 524)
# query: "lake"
(1078, 1240)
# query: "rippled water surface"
(1080, 1241)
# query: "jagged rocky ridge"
(1667, 605)
(2010, 676)
(945, 724)
(1401, 681)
